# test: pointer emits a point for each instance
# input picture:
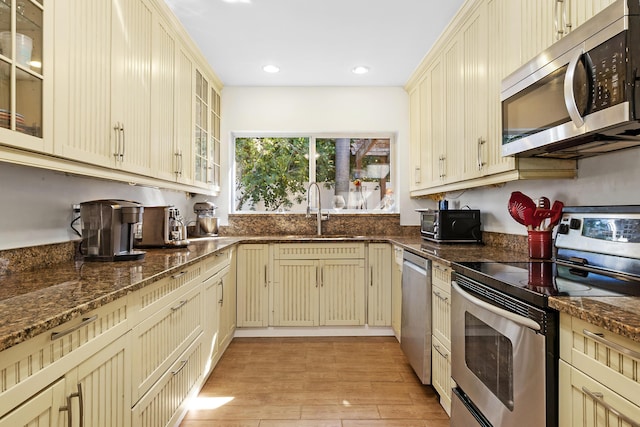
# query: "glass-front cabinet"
(21, 73)
(207, 134)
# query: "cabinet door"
(415, 173)
(227, 306)
(579, 11)
(103, 383)
(441, 372)
(43, 410)
(342, 292)
(163, 102)
(295, 292)
(184, 117)
(503, 57)
(451, 158)
(211, 312)
(396, 292)
(379, 296)
(131, 48)
(537, 27)
(474, 34)
(434, 145)
(253, 286)
(441, 304)
(82, 91)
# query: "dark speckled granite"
(38, 294)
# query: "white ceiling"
(314, 42)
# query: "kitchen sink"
(324, 237)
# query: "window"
(273, 173)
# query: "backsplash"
(278, 224)
(23, 259)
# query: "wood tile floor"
(320, 382)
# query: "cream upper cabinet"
(545, 21)
(415, 174)
(24, 64)
(459, 112)
(206, 154)
(103, 83)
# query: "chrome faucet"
(319, 213)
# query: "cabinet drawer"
(158, 340)
(152, 298)
(441, 372)
(593, 404)
(441, 314)
(33, 364)
(441, 276)
(215, 263)
(609, 358)
(164, 403)
(349, 250)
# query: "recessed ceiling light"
(271, 68)
(360, 70)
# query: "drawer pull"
(437, 348)
(85, 321)
(179, 305)
(602, 340)
(445, 299)
(178, 275)
(600, 399)
(182, 365)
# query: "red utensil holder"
(540, 244)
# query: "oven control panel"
(601, 232)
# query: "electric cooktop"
(535, 281)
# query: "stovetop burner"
(535, 281)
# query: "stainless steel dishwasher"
(415, 333)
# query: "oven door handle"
(521, 320)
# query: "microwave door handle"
(521, 320)
(569, 94)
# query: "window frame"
(313, 136)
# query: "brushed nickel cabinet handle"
(599, 397)
(179, 305)
(178, 275)
(182, 365)
(439, 295)
(437, 348)
(85, 321)
(602, 340)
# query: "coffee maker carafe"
(108, 230)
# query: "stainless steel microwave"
(451, 225)
(579, 97)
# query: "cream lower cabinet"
(318, 284)
(396, 291)
(252, 279)
(599, 384)
(379, 295)
(80, 366)
(441, 332)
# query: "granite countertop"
(35, 301)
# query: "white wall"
(349, 110)
(611, 179)
(36, 203)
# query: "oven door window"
(489, 355)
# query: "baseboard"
(319, 331)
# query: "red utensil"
(521, 208)
(557, 214)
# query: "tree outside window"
(273, 173)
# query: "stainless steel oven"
(504, 336)
(500, 345)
